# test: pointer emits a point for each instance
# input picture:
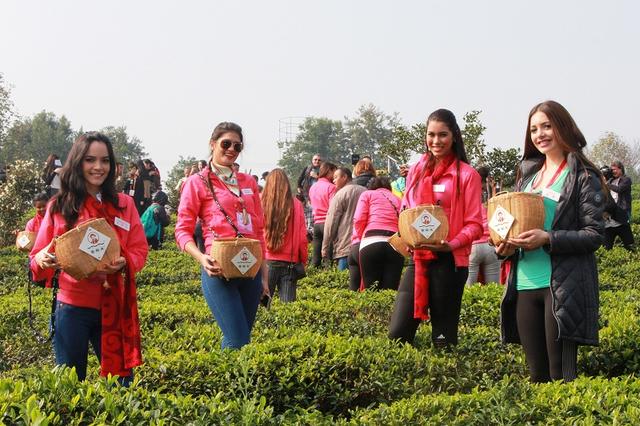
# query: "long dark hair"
(73, 190)
(49, 166)
(445, 116)
(277, 204)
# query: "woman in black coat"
(551, 300)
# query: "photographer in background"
(618, 211)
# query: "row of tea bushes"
(56, 398)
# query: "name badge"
(122, 224)
(438, 188)
(551, 194)
(244, 228)
(247, 191)
(131, 192)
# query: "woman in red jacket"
(433, 282)
(285, 234)
(235, 209)
(320, 195)
(102, 309)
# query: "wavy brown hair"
(277, 204)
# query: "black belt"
(378, 233)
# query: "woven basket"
(414, 238)
(527, 210)
(231, 254)
(76, 262)
(398, 245)
(25, 240)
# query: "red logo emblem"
(500, 217)
(426, 220)
(244, 256)
(93, 238)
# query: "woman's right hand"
(45, 259)
(210, 265)
(505, 249)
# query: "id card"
(244, 228)
(551, 194)
(438, 187)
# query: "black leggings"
(548, 357)
(318, 236)
(446, 285)
(623, 231)
(354, 267)
(380, 262)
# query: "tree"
(126, 148)
(35, 138)
(368, 131)
(173, 177)
(6, 110)
(611, 147)
(474, 144)
(316, 136)
(502, 164)
(403, 142)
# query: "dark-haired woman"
(102, 309)
(320, 195)
(374, 221)
(433, 282)
(285, 234)
(551, 300)
(51, 174)
(234, 302)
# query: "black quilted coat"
(577, 231)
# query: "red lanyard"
(554, 177)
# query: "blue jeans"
(76, 327)
(234, 304)
(342, 263)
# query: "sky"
(170, 71)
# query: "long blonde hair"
(277, 204)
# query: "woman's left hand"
(531, 240)
(114, 266)
(265, 280)
(443, 246)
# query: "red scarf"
(422, 257)
(121, 349)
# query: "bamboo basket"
(25, 240)
(77, 263)
(238, 257)
(526, 208)
(414, 238)
(398, 245)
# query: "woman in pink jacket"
(320, 195)
(433, 282)
(375, 220)
(235, 209)
(285, 234)
(102, 309)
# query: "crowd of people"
(349, 216)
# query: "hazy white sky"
(170, 71)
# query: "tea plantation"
(324, 359)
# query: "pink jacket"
(294, 246)
(196, 202)
(88, 293)
(320, 195)
(34, 224)
(376, 209)
(464, 213)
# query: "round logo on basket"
(244, 260)
(426, 224)
(94, 243)
(501, 222)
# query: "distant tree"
(611, 147)
(474, 144)
(6, 110)
(404, 142)
(316, 135)
(173, 177)
(126, 148)
(37, 137)
(369, 130)
(502, 164)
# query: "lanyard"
(554, 177)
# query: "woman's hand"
(505, 249)
(531, 240)
(264, 272)
(45, 259)
(115, 266)
(443, 246)
(211, 266)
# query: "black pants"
(446, 285)
(318, 235)
(281, 277)
(623, 231)
(548, 357)
(380, 262)
(353, 260)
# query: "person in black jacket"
(617, 221)
(551, 299)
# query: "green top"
(534, 268)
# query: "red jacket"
(320, 195)
(464, 212)
(87, 293)
(294, 246)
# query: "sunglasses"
(226, 144)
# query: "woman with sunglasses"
(233, 302)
